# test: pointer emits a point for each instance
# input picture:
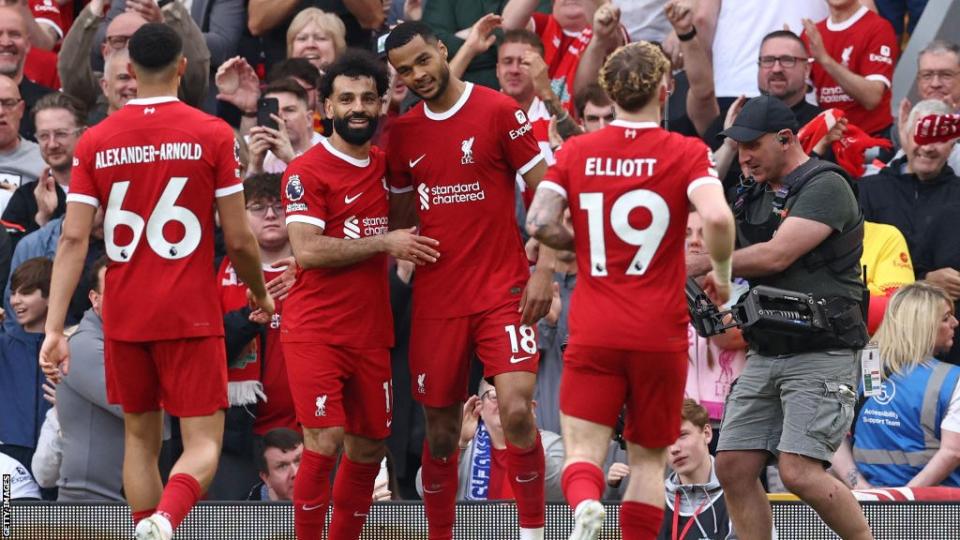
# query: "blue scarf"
(480, 464)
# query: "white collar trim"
(634, 125)
(349, 159)
(452, 110)
(152, 100)
(840, 27)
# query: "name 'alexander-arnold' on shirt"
(148, 153)
(597, 166)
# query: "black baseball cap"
(760, 115)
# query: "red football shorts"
(441, 351)
(597, 382)
(185, 377)
(328, 380)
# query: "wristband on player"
(722, 270)
(689, 35)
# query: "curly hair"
(632, 74)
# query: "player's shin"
(526, 470)
(439, 492)
(352, 496)
(582, 481)
(311, 494)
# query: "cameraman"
(798, 228)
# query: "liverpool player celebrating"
(457, 155)
(628, 187)
(338, 327)
(158, 166)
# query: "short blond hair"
(908, 334)
(632, 74)
(328, 22)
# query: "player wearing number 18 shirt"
(629, 187)
(454, 159)
(159, 168)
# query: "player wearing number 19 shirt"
(454, 157)
(629, 187)
(159, 168)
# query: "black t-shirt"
(31, 93)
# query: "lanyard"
(676, 517)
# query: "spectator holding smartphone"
(272, 148)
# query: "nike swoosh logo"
(432, 491)
(349, 200)
(307, 508)
(413, 163)
(528, 480)
(515, 360)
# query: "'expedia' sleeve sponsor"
(520, 147)
(880, 55)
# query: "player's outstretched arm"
(242, 248)
(718, 238)
(314, 250)
(67, 267)
(544, 220)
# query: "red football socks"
(352, 495)
(582, 481)
(639, 521)
(142, 515)
(525, 468)
(439, 493)
(180, 495)
(311, 494)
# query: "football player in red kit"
(453, 161)
(159, 168)
(337, 327)
(629, 187)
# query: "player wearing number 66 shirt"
(337, 327)
(629, 187)
(159, 169)
(454, 158)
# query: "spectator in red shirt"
(854, 52)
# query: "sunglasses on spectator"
(946, 76)
(785, 60)
(261, 209)
(9, 103)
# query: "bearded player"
(629, 187)
(338, 327)
(160, 168)
(456, 156)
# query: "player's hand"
(616, 474)
(55, 356)
(606, 25)
(279, 287)
(50, 392)
(471, 417)
(263, 308)
(537, 297)
(481, 36)
(532, 249)
(406, 245)
(948, 279)
(717, 291)
(238, 84)
(534, 66)
(817, 49)
(148, 9)
(45, 193)
(680, 15)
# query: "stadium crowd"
(260, 66)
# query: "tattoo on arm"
(566, 127)
(853, 477)
(544, 220)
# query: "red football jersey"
(47, 12)
(462, 164)
(866, 45)
(627, 187)
(562, 55)
(157, 165)
(347, 198)
(277, 411)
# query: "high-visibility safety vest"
(897, 432)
